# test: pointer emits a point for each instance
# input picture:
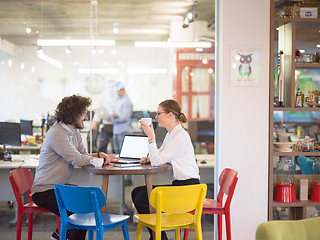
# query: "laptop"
(133, 148)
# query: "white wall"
(242, 113)
(30, 95)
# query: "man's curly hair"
(70, 108)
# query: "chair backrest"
(227, 180)
(289, 229)
(178, 199)
(21, 180)
(79, 199)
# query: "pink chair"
(227, 181)
(21, 180)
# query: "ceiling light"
(190, 16)
(113, 51)
(68, 50)
(48, 59)
(75, 42)
(210, 70)
(9, 63)
(199, 49)
(94, 51)
(204, 61)
(173, 44)
(22, 66)
(115, 30)
(28, 30)
(33, 69)
(98, 70)
(318, 45)
(147, 70)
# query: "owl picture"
(244, 67)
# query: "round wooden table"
(113, 169)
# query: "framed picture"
(245, 66)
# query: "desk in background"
(25, 149)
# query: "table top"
(112, 169)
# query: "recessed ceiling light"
(173, 44)
(28, 30)
(115, 30)
(74, 42)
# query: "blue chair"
(85, 203)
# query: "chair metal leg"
(63, 232)
(198, 231)
(58, 223)
(177, 233)
(125, 231)
(90, 233)
(30, 225)
(139, 230)
(219, 227)
(228, 225)
(186, 234)
(99, 235)
(19, 224)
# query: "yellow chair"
(173, 204)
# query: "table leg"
(148, 180)
(121, 194)
(104, 187)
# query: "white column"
(242, 115)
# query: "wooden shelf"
(299, 20)
(311, 65)
(298, 203)
(293, 154)
(295, 109)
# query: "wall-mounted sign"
(245, 66)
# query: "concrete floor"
(44, 224)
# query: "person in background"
(176, 149)
(121, 117)
(61, 151)
(103, 115)
(106, 133)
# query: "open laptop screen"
(134, 147)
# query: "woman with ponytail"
(176, 149)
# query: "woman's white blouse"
(176, 149)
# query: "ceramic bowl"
(284, 146)
(284, 135)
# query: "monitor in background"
(10, 133)
(26, 127)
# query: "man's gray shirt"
(61, 150)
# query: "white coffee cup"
(147, 121)
(97, 162)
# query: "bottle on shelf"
(298, 98)
(280, 79)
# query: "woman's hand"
(144, 160)
(113, 157)
(148, 130)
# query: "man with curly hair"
(61, 151)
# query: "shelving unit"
(285, 37)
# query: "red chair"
(21, 180)
(227, 181)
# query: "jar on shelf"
(285, 191)
(315, 194)
(285, 170)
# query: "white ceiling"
(144, 20)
